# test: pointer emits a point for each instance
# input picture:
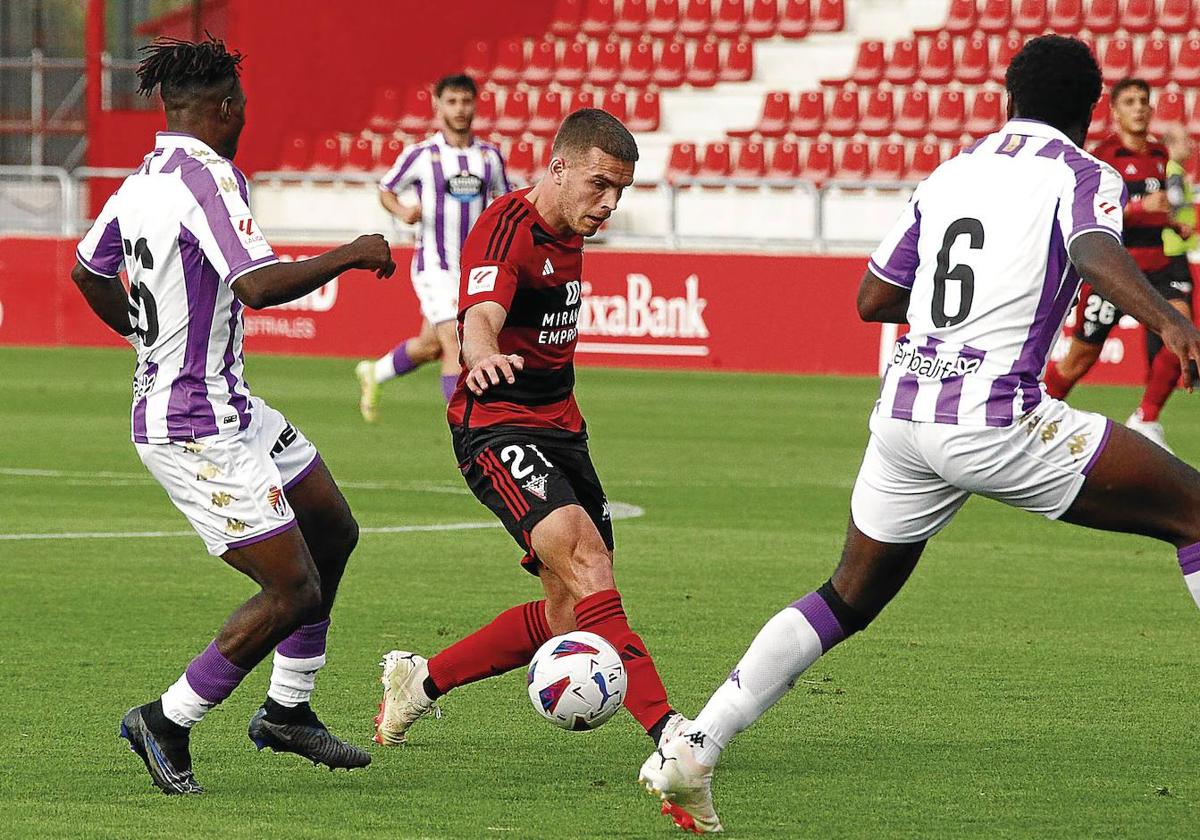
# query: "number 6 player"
(983, 265)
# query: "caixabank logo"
(637, 321)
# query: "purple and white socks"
(208, 680)
(783, 649)
(1189, 564)
(396, 363)
(297, 660)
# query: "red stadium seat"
(614, 103)
(716, 162)
(485, 111)
(646, 112)
(389, 150)
(1030, 17)
(975, 60)
(763, 19)
(706, 60)
(889, 163)
(1193, 119)
(730, 19)
(514, 115)
(631, 19)
(830, 16)
(296, 153)
(597, 18)
(547, 115)
(510, 62)
(775, 118)
(1154, 64)
(739, 62)
(818, 163)
(796, 19)
(581, 99)
(948, 115)
(542, 64)
(544, 158)
(1009, 47)
(1117, 62)
(477, 60)
(1139, 16)
(1175, 17)
(854, 162)
(385, 110)
(879, 114)
(962, 17)
(1187, 65)
(987, 113)
(1102, 17)
(664, 19)
(913, 119)
(519, 162)
(697, 19)
(670, 69)
(418, 111)
(785, 161)
(361, 155)
(843, 114)
(565, 21)
(809, 119)
(750, 162)
(682, 162)
(607, 67)
(868, 66)
(1101, 118)
(326, 153)
(573, 68)
(996, 17)
(638, 66)
(904, 62)
(1066, 17)
(926, 157)
(1169, 109)
(938, 67)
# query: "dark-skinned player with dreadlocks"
(253, 487)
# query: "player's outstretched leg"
(680, 770)
(447, 337)
(1063, 375)
(402, 359)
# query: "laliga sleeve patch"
(1106, 209)
(482, 279)
(247, 230)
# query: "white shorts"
(915, 476)
(437, 290)
(232, 489)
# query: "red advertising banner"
(694, 311)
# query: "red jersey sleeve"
(490, 262)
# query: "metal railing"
(38, 199)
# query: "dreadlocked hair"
(178, 68)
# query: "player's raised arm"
(481, 349)
(281, 282)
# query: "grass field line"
(620, 510)
(107, 478)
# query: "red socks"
(510, 641)
(1164, 376)
(601, 613)
(1056, 385)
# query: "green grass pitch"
(1033, 680)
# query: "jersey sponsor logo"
(247, 230)
(482, 279)
(464, 186)
(639, 312)
(547, 269)
(537, 486)
(144, 384)
(907, 357)
(277, 500)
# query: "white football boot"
(404, 697)
(684, 785)
(368, 390)
(1151, 429)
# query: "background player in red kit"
(1142, 163)
(520, 440)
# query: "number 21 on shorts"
(514, 458)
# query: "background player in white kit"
(984, 264)
(454, 176)
(244, 477)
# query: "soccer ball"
(577, 681)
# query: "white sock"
(384, 369)
(293, 680)
(183, 705)
(783, 649)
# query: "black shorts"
(1095, 316)
(523, 475)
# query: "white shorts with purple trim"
(437, 290)
(233, 489)
(915, 476)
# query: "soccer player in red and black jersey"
(1142, 163)
(520, 440)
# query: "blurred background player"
(454, 176)
(520, 440)
(244, 477)
(1142, 164)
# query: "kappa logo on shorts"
(1076, 444)
(235, 526)
(482, 279)
(222, 499)
(207, 471)
(537, 486)
(277, 500)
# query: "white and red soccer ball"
(577, 681)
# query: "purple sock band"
(212, 676)
(306, 642)
(449, 380)
(829, 630)
(401, 363)
(1189, 558)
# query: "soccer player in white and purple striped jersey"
(983, 265)
(443, 183)
(253, 487)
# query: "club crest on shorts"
(277, 501)
(537, 486)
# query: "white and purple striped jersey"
(983, 246)
(180, 226)
(453, 186)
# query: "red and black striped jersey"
(1144, 172)
(514, 258)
